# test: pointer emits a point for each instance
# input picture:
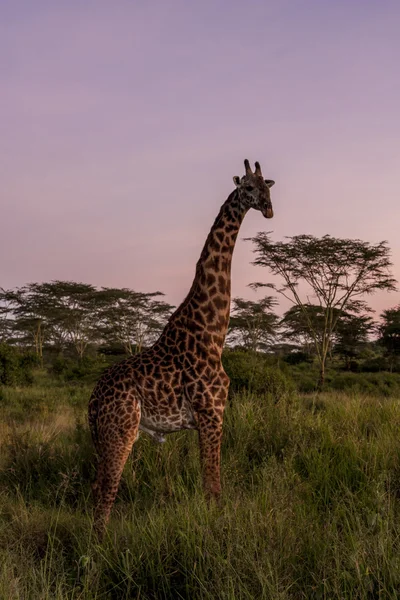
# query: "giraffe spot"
(202, 296)
(225, 265)
(199, 318)
(212, 364)
(190, 387)
(181, 345)
(201, 366)
(220, 302)
(210, 312)
(190, 374)
(205, 338)
(214, 245)
(191, 308)
(190, 343)
(190, 357)
(210, 279)
(201, 351)
(200, 387)
(222, 284)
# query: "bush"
(374, 365)
(256, 373)
(295, 358)
(381, 384)
(16, 367)
(67, 369)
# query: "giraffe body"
(178, 383)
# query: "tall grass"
(310, 506)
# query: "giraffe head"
(253, 190)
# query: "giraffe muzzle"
(268, 213)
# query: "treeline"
(254, 326)
(326, 280)
(69, 316)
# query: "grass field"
(310, 509)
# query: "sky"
(122, 124)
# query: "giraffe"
(178, 383)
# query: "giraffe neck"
(207, 305)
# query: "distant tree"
(253, 324)
(60, 312)
(7, 304)
(67, 313)
(295, 325)
(389, 331)
(72, 314)
(337, 272)
(132, 319)
(348, 338)
(352, 333)
(30, 310)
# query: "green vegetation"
(16, 366)
(326, 279)
(337, 272)
(310, 510)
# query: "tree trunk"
(41, 350)
(321, 379)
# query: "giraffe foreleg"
(210, 437)
(209, 408)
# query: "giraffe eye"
(249, 188)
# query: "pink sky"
(122, 124)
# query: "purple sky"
(122, 124)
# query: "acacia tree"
(296, 326)
(72, 313)
(61, 312)
(337, 272)
(389, 331)
(30, 306)
(7, 305)
(67, 313)
(58, 312)
(350, 335)
(253, 324)
(133, 319)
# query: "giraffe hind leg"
(116, 437)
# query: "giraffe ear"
(236, 180)
(269, 182)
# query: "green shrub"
(374, 365)
(295, 358)
(69, 370)
(256, 373)
(381, 384)
(16, 367)
(50, 470)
